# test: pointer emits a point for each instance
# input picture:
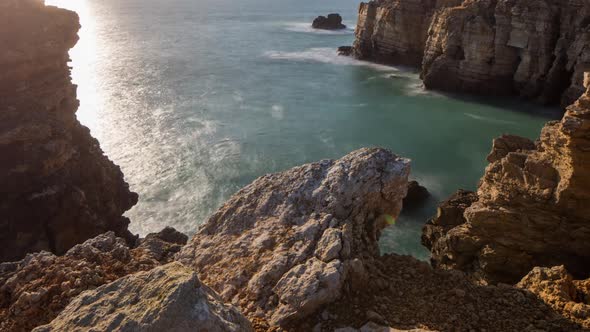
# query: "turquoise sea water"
(196, 98)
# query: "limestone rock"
(34, 290)
(556, 287)
(167, 298)
(332, 22)
(532, 208)
(58, 188)
(532, 48)
(393, 31)
(284, 246)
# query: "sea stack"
(332, 22)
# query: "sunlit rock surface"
(532, 207)
(284, 246)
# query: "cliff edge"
(58, 188)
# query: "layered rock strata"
(167, 298)
(531, 207)
(58, 188)
(536, 49)
(35, 290)
(393, 31)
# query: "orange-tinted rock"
(58, 188)
(532, 208)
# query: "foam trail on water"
(486, 119)
(324, 55)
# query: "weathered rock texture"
(298, 251)
(532, 207)
(393, 31)
(556, 287)
(58, 189)
(284, 246)
(167, 298)
(535, 48)
(34, 290)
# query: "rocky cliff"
(58, 188)
(536, 49)
(531, 208)
(298, 251)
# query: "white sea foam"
(305, 27)
(486, 119)
(324, 55)
(277, 112)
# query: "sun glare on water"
(83, 61)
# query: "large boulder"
(58, 188)
(332, 22)
(167, 298)
(532, 207)
(284, 246)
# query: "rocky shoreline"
(296, 250)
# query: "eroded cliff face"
(393, 31)
(58, 188)
(536, 49)
(531, 207)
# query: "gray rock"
(286, 244)
(167, 298)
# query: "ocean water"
(196, 98)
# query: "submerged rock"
(532, 207)
(58, 188)
(167, 298)
(285, 245)
(34, 290)
(332, 22)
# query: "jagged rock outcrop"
(534, 48)
(532, 207)
(556, 287)
(167, 298)
(58, 189)
(332, 22)
(34, 290)
(284, 246)
(298, 251)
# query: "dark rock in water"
(332, 22)
(416, 196)
(345, 50)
